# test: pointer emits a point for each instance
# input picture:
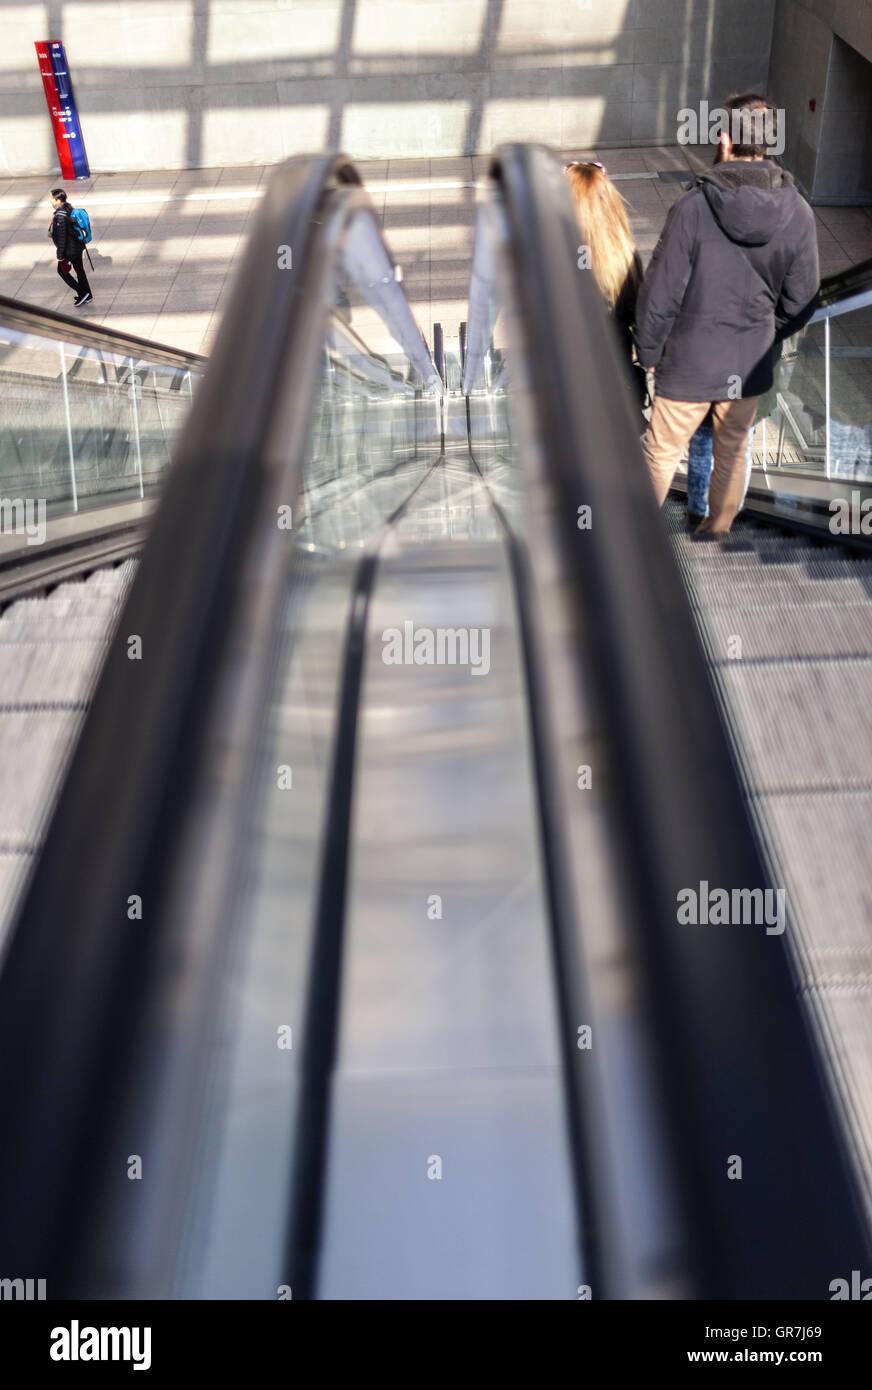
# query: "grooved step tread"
(798, 696)
(51, 653)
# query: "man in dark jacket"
(70, 248)
(735, 271)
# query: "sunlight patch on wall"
(563, 120)
(395, 129)
(261, 134)
(22, 26)
(114, 138)
(426, 26)
(531, 25)
(151, 34)
(239, 34)
(30, 133)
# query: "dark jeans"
(80, 284)
(699, 470)
(850, 450)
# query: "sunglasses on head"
(586, 164)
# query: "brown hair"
(755, 121)
(602, 221)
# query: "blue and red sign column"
(62, 109)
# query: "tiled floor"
(165, 244)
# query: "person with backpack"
(69, 230)
(735, 271)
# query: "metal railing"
(88, 418)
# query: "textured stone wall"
(820, 75)
(188, 83)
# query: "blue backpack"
(82, 223)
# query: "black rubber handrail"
(857, 279)
(31, 318)
(738, 1064)
(78, 972)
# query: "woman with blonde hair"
(614, 260)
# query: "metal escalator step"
(796, 584)
(804, 724)
(53, 629)
(48, 674)
(808, 568)
(14, 869)
(769, 543)
(102, 592)
(57, 605)
(34, 747)
(800, 703)
(737, 545)
(742, 563)
(71, 611)
(773, 586)
(823, 838)
(51, 653)
(848, 1014)
(785, 555)
(777, 633)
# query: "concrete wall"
(826, 147)
(844, 165)
(190, 83)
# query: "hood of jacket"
(750, 200)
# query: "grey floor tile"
(157, 178)
(833, 261)
(459, 167)
(247, 174)
(189, 179)
(409, 169)
(859, 249)
(844, 222)
(372, 170)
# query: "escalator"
(787, 625)
(784, 612)
(87, 427)
(350, 964)
(87, 424)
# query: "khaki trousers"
(673, 424)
